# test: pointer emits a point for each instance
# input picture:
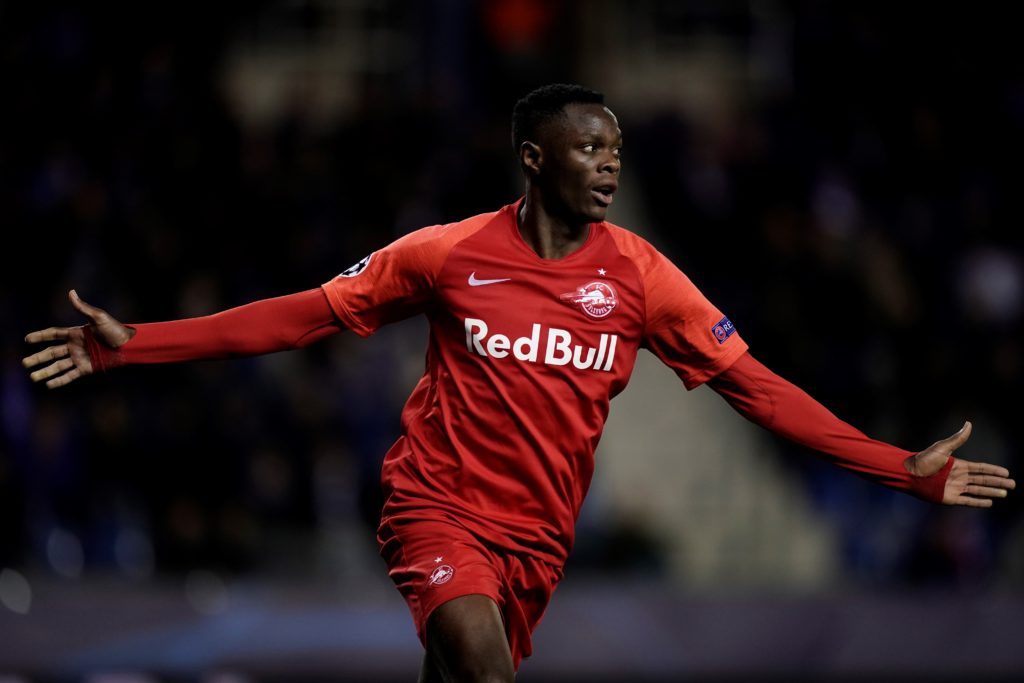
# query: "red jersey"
(524, 355)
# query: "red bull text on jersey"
(523, 359)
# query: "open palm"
(69, 359)
(974, 484)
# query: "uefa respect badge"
(723, 330)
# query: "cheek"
(568, 181)
(574, 178)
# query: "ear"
(530, 158)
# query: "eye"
(589, 148)
(617, 152)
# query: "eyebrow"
(597, 137)
(596, 133)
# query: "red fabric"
(278, 324)
(524, 356)
(766, 399)
(434, 560)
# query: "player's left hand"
(974, 484)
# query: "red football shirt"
(524, 356)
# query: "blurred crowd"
(858, 224)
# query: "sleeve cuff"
(102, 357)
(343, 314)
(932, 488)
(721, 364)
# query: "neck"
(548, 235)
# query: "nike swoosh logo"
(473, 282)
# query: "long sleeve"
(767, 400)
(265, 326)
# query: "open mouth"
(603, 193)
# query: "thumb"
(960, 438)
(88, 310)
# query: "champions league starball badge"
(356, 268)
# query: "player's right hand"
(71, 356)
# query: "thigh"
(465, 640)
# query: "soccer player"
(536, 312)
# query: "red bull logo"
(442, 574)
(596, 299)
(557, 348)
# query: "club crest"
(596, 299)
(442, 574)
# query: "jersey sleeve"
(767, 400)
(682, 328)
(266, 326)
(390, 284)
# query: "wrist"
(930, 487)
(102, 356)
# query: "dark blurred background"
(840, 178)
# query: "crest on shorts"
(597, 299)
(356, 268)
(441, 575)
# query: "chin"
(585, 212)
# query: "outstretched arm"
(933, 474)
(264, 326)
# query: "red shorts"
(434, 560)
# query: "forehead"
(588, 120)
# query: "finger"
(47, 354)
(985, 491)
(986, 468)
(52, 369)
(49, 334)
(66, 378)
(88, 310)
(986, 480)
(967, 501)
(960, 438)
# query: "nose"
(611, 164)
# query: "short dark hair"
(544, 104)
